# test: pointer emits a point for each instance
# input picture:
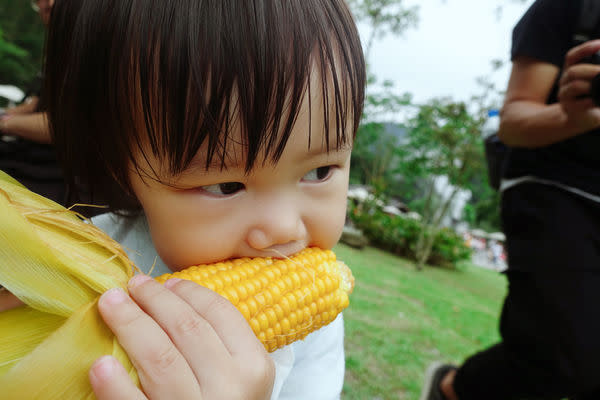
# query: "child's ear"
(8, 300)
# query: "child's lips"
(276, 251)
(284, 250)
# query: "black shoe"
(433, 377)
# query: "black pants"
(550, 323)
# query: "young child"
(215, 129)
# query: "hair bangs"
(248, 69)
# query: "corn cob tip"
(347, 283)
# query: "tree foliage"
(11, 58)
(21, 42)
(443, 140)
(384, 17)
(374, 147)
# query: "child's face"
(275, 210)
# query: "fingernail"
(113, 296)
(172, 282)
(103, 368)
(138, 280)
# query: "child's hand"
(185, 341)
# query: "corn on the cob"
(283, 300)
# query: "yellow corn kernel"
(283, 300)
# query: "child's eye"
(224, 189)
(318, 174)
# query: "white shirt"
(310, 369)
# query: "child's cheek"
(328, 223)
(192, 239)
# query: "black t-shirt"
(546, 33)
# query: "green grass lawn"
(400, 320)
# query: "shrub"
(399, 235)
(449, 249)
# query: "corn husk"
(58, 265)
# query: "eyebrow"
(199, 163)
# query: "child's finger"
(222, 316)
(163, 371)
(193, 335)
(110, 381)
(251, 362)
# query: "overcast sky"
(454, 43)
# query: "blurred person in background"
(551, 217)
(26, 151)
(27, 120)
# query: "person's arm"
(525, 119)
(27, 107)
(33, 127)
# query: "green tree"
(11, 58)
(22, 42)
(373, 153)
(443, 140)
(383, 17)
(375, 147)
(483, 208)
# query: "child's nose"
(277, 223)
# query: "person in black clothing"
(550, 323)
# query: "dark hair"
(120, 73)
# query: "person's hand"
(575, 85)
(185, 341)
(4, 117)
